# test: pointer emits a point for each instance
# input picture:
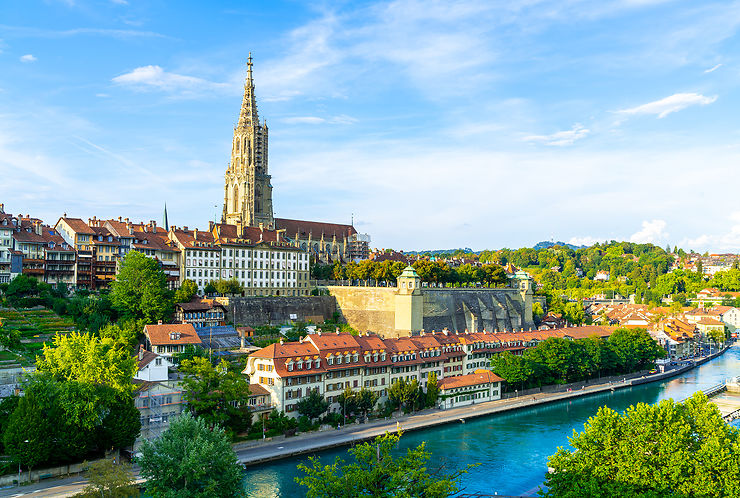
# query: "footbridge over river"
(726, 395)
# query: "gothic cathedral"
(247, 189)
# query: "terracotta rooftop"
(159, 335)
(77, 225)
(474, 379)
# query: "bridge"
(726, 395)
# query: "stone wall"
(374, 308)
(367, 308)
(475, 309)
(256, 311)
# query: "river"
(513, 447)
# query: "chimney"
(262, 226)
(195, 234)
(319, 332)
(239, 228)
(119, 219)
(2, 207)
(159, 322)
(300, 339)
(141, 352)
(185, 228)
(337, 331)
(422, 332)
(281, 341)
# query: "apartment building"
(6, 244)
(259, 259)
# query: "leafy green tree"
(634, 349)
(190, 459)
(228, 287)
(537, 312)
(365, 400)
(512, 368)
(432, 393)
(312, 406)
(26, 436)
(107, 478)
(375, 472)
(88, 359)
(209, 289)
(664, 450)
(10, 339)
(124, 332)
(217, 395)
(186, 291)
(7, 407)
(140, 289)
(347, 400)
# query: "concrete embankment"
(255, 453)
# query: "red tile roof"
(159, 335)
(77, 225)
(474, 379)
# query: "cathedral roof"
(315, 228)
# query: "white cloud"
(727, 241)
(28, 58)
(584, 241)
(560, 138)
(674, 103)
(651, 232)
(154, 77)
(712, 69)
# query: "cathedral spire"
(248, 115)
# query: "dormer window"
(300, 365)
(290, 366)
(317, 364)
(375, 357)
(330, 360)
(339, 360)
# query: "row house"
(331, 363)
(728, 315)
(46, 256)
(79, 235)
(170, 338)
(260, 260)
(6, 245)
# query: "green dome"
(409, 272)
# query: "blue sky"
(484, 124)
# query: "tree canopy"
(217, 395)
(557, 360)
(89, 359)
(190, 460)
(664, 450)
(376, 472)
(140, 289)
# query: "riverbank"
(279, 448)
(516, 445)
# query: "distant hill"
(437, 252)
(546, 244)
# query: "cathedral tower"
(247, 189)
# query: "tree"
(376, 473)
(88, 359)
(209, 289)
(432, 389)
(10, 339)
(26, 436)
(108, 478)
(667, 449)
(140, 289)
(365, 400)
(348, 402)
(186, 291)
(312, 406)
(217, 395)
(190, 459)
(537, 312)
(228, 287)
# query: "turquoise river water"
(513, 447)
